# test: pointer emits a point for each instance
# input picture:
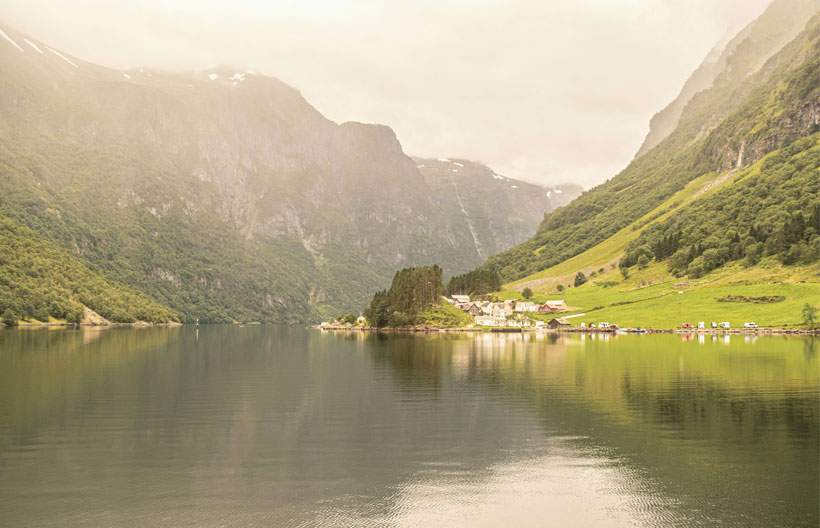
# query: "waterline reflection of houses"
(525, 349)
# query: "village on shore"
(511, 313)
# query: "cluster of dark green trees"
(773, 212)
(476, 282)
(39, 281)
(412, 292)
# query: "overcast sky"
(546, 91)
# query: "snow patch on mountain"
(445, 160)
(33, 45)
(61, 56)
(3, 34)
(237, 77)
(213, 76)
(126, 76)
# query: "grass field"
(652, 297)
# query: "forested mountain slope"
(40, 281)
(225, 195)
(728, 127)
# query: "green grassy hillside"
(731, 126)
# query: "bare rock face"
(90, 317)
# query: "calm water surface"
(283, 426)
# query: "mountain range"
(225, 196)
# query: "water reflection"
(283, 426)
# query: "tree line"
(476, 282)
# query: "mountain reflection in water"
(282, 426)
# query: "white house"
(489, 320)
(526, 306)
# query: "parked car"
(686, 325)
(583, 325)
(714, 324)
(701, 324)
(591, 325)
(725, 324)
(613, 326)
(603, 325)
(750, 325)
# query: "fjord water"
(286, 426)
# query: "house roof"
(560, 320)
(553, 303)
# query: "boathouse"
(558, 322)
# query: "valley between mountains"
(224, 196)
